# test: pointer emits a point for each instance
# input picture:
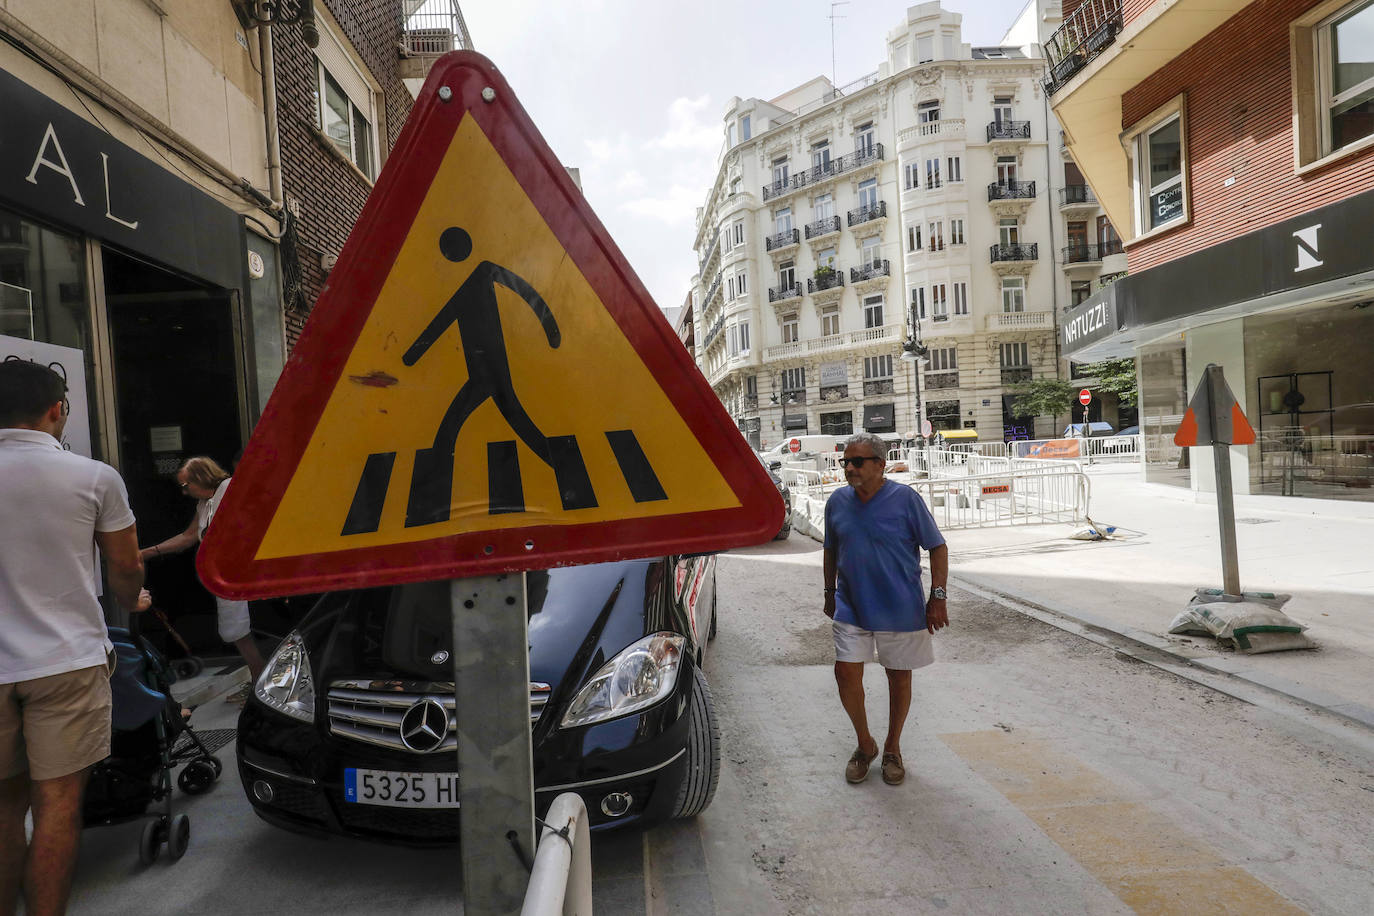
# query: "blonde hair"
(204, 472)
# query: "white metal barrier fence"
(1095, 449)
(1024, 496)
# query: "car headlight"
(640, 675)
(286, 684)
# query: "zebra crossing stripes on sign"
(484, 386)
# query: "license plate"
(400, 790)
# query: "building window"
(820, 155)
(937, 235)
(944, 359)
(789, 328)
(1015, 355)
(1009, 230)
(1001, 109)
(741, 285)
(925, 49)
(826, 257)
(1333, 79)
(1006, 170)
(825, 206)
(943, 414)
(751, 386)
(729, 289)
(830, 322)
(744, 128)
(344, 116)
(794, 380)
(939, 303)
(727, 241)
(911, 176)
(1013, 294)
(1079, 290)
(1158, 163)
(955, 172)
(933, 174)
(918, 302)
(863, 138)
(744, 337)
(960, 298)
(738, 229)
(877, 367)
(782, 220)
(956, 232)
(911, 239)
(870, 254)
(730, 134)
(736, 184)
(787, 274)
(1077, 232)
(868, 193)
(1107, 237)
(837, 424)
(873, 312)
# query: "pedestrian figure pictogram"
(473, 309)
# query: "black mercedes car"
(620, 711)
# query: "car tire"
(703, 752)
(785, 533)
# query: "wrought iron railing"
(432, 29)
(1015, 252)
(825, 280)
(869, 271)
(711, 291)
(793, 396)
(861, 215)
(712, 334)
(1087, 31)
(823, 226)
(1011, 190)
(878, 386)
(1080, 254)
(710, 250)
(1014, 375)
(1008, 130)
(749, 402)
(781, 240)
(1076, 194)
(831, 169)
(833, 393)
(786, 291)
(1111, 246)
(938, 380)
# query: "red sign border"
(227, 561)
(1085, 397)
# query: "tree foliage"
(1043, 397)
(1116, 377)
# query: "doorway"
(177, 395)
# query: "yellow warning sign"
(487, 352)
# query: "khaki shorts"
(899, 651)
(55, 726)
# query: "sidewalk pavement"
(1169, 544)
(219, 677)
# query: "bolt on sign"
(485, 385)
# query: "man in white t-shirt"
(56, 508)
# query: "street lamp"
(916, 353)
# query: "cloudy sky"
(632, 92)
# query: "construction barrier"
(1094, 449)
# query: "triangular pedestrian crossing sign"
(1214, 416)
(484, 386)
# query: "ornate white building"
(929, 206)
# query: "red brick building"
(1232, 145)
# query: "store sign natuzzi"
(58, 165)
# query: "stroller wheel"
(150, 842)
(188, 667)
(197, 776)
(179, 837)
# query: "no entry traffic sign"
(485, 386)
(1085, 397)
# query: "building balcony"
(794, 396)
(1081, 256)
(748, 402)
(1009, 130)
(782, 240)
(712, 334)
(832, 279)
(1076, 197)
(949, 129)
(1087, 31)
(711, 291)
(860, 215)
(1015, 375)
(868, 338)
(1014, 252)
(936, 381)
(711, 251)
(834, 393)
(877, 386)
(876, 271)
(428, 32)
(825, 171)
(1011, 190)
(828, 225)
(786, 291)
(1020, 321)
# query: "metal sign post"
(491, 692)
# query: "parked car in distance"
(352, 728)
(806, 445)
(784, 492)
(1130, 431)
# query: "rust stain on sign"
(378, 379)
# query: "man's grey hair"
(874, 441)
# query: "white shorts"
(233, 619)
(898, 650)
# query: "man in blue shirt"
(874, 532)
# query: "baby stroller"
(150, 737)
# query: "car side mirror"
(775, 465)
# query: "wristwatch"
(937, 592)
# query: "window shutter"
(341, 67)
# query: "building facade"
(925, 209)
(173, 181)
(1233, 144)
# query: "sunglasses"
(857, 461)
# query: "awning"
(794, 422)
(960, 435)
(880, 417)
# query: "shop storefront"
(1288, 313)
(137, 283)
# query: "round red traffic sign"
(926, 428)
(794, 446)
(1085, 397)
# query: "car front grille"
(371, 711)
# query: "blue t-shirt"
(877, 546)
